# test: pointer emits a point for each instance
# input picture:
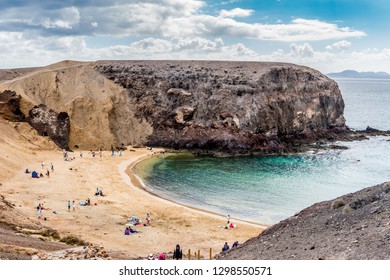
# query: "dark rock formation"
(354, 226)
(10, 106)
(243, 107)
(231, 106)
(50, 123)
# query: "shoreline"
(138, 183)
(103, 222)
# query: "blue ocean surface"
(367, 102)
(267, 189)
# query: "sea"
(268, 189)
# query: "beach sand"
(103, 222)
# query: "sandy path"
(103, 222)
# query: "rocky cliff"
(354, 226)
(231, 106)
(10, 106)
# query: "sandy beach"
(103, 222)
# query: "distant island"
(361, 75)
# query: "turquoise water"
(267, 189)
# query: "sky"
(327, 35)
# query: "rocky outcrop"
(50, 123)
(228, 105)
(10, 106)
(353, 226)
(202, 105)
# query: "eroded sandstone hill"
(233, 106)
(354, 226)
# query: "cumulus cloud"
(237, 12)
(341, 45)
(42, 32)
(305, 50)
(65, 19)
(167, 18)
(190, 48)
(53, 49)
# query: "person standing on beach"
(73, 205)
(148, 219)
(177, 253)
(52, 167)
(39, 212)
(43, 164)
(68, 205)
(228, 219)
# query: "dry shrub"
(337, 204)
(72, 240)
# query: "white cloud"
(169, 18)
(237, 12)
(18, 49)
(43, 33)
(305, 50)
(341, 45)
(65, 19)
(53, 49)
(189, 48)
(230, 2)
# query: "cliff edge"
(205, 105)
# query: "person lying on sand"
(129, 230)
(86, 202)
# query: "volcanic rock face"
(354, 226)
(230, 106)
(50, 123)
(10, 106)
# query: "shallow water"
(268, 189)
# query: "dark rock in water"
(50, 123)
(354, 226)
(230, 106)
(10, 106)
(370, 130)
